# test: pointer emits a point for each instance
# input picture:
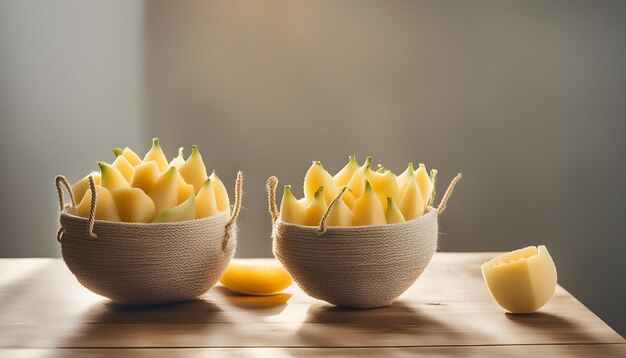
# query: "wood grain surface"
(448, 312)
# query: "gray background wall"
(71, 88)
(525, 98)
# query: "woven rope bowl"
(358, 266)
(146, 264)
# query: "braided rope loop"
(446, 196)
(322, 228)
(61, 182)
(232, 222)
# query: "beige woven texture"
(139, 264)
(360, 266)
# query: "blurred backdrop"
(526, 98)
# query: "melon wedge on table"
(256, 277)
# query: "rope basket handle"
(236, 209)
(271, 185)
(444, 199)
(92, 208)
(322, 229)
(61, 181)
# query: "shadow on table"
(108, 324)
(398, 324)
(263, 305)
(190, 311)
(562, 330)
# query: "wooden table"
(448, 312)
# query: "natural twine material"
(322, 228)
(230, 225)
(92, 208)
(272, 183)
(356, 266)
(60, 180)
(444, 200)
(135, 263)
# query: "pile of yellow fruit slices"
(152, 189)
(369, 198)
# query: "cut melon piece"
(183, 212)
(521, 281)
(256, 277)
